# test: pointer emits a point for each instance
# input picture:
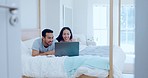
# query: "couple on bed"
(46, 44)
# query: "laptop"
(67, 49)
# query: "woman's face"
(66, 35)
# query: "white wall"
(43, 14)
(67, 3)
(80, 16)
(141, 40)
(54, 14)
(29, 13)
(90, 20)
(51, 14)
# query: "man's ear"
(43, 37)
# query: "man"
(44, 45)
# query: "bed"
(72, 67)
(43, 66)
(47, 66)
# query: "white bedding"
(41, 66)
(53, 67)
(118, 54)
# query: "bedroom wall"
(43, 14)
(28, 14)
(67, 3)
(80, 16)
(51, 14)
(54, 14)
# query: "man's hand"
(49, 53)
(53, 52)
(35, 53)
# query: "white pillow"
(24, 49)
(29, 43)
(80, 38)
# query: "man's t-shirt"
(38, 45)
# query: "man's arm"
(36, 53)
(48, 53)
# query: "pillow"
(29, 43)
(26, 46)
(80, 38)
(24, 49)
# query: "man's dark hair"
(46, 31)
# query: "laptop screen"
(67, 49)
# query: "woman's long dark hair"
(60, 38)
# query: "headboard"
(30, 34)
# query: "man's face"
(48, 39)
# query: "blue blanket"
(71, 64)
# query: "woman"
(65, 35)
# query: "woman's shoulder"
(73, 40)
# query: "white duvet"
(41, 66)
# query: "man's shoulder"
(36, 43)
(38, 40)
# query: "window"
(100, 24)
(127, 31)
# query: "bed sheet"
(46, 67)
(103, 51)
